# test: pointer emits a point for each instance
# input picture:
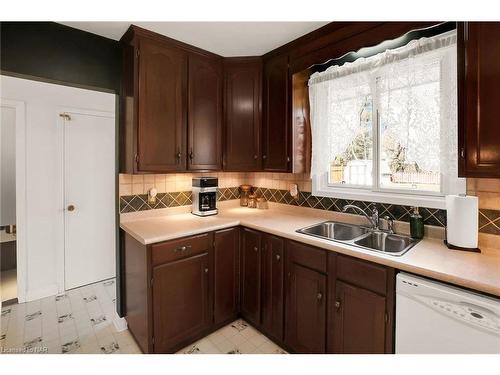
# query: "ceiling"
(224, 38)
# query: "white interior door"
(89, 197)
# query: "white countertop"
(430, 257)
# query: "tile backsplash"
(175, 190)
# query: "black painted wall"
(52, 52)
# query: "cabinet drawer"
(178, 249)
(308, 256)
(361, 273)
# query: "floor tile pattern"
(80, 321)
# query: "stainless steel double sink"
(366, 238)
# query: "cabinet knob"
(264, 156)
(178, 155)
(183, 248)
(206, 270)
(255, 249)
(319, 296)
(255, 157)
(337, 305)
(191, 155)
(278, 257)
(71, 207)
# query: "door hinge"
(65, 116)
(462, 153)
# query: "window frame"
(321, 185)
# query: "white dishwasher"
(435, 318)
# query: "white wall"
(44, 216)
(8, 166)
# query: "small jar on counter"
(252, 200)
(245, 191)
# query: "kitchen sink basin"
(366, 238)
(334, 231)
(385, 242)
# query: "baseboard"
(119, 323)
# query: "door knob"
(71, 207)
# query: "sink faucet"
(373, 219)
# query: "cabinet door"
(161, 129)
(359, 325)
(276, 139)
(242, 114)
(226, 273)
(272, 286)
(305, 330)
(479, 98)
(180, 302)
(251, 275)
(205, 113)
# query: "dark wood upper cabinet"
(204, 113)
(226, 274)
(251, 275)
(242, 78)
(276, 128)
(273, 261)
(479, 74)
(181, 307)
(161, 144)
(359, 324)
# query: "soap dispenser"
(416, 224)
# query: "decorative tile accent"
(64, 318)
(5, 312)
(239, 325)
(192, 350)
(111, 348)
(33, 316)
(30, 344)
(90, 299)
(132, 203)
(70, 346)
(98, 320)
(234, 351)
(489, 221)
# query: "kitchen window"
(384, 128)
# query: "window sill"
(428, 201)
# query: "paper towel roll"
(462, 220)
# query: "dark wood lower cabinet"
(273, 261)
(359, 326)
(181, 309)
(251, 275)
(226, 274)
(306, 310)
(306, 299)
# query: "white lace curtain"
(404, 83)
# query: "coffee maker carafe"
(205, 196)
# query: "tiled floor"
(81, 321)
(235, 338)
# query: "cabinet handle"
(319, 296)
(278, 257)
(337, 305)
(182, 248)
(191, 155)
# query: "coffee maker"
(205, 196)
